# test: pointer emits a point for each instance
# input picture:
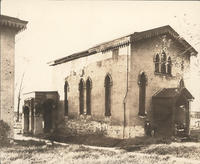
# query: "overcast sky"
(59, 28)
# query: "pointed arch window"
(163, 63)
(169, 66)
(181, 84)
(142, 93)
(182, 65)
(108, 85)
(157, 63)
(81, 96)
(88, 96)
(66, 89)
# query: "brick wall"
(96, 67)
(140, 59)
(7, 41)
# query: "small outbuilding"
(171, 111)
(39, 112)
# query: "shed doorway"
(26, 119)
(47, 115)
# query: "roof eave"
(164, 30)
(127, 39)
(12, 22)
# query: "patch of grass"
(86, 155)
(137, 143)
(74, 153)
(4, 134)
(92, 140)
(178, 151)
(30, 143)
(103, 141)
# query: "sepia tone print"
(9, 28)
(68, 95)
(121, 116)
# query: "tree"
(19, 96)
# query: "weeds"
(4, 133)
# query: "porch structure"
(171, 111)
(39, 112)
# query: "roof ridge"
(134, 37)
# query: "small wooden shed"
(171, 111)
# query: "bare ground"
(35, 151)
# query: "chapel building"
(116, 87)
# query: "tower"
(9, 27)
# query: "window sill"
(85, 114)
(66, 118)
(162, 74)
(107, 118)
(142, 116)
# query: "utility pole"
(0, 7)
(19, 97)
(0, 62)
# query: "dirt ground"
(40, 151)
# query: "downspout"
(0, 63)
(124, 101)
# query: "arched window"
(182, 65)
(108, 84)
(88, 96)
(81, 96)
(142, 93)
(181, 84)
(163, 63)
(157, 62)
(169, 66)
(66, 88)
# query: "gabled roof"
(40, 92)
(125, 41)
(172, 93)
(17, 24)
(164, 30)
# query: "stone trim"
(12, 22)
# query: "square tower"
(9, 27)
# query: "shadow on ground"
(132, 144)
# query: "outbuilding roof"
(125, 41)
(172, 93)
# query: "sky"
(59, 28)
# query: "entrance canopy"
(171, 108)
(173, 93)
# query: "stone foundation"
(85, 125)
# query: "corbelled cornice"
(11, 22)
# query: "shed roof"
(126, 40)
(172, 93)
(41, 92)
